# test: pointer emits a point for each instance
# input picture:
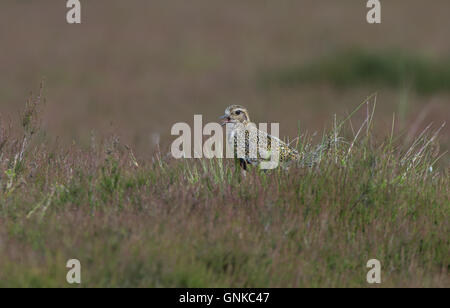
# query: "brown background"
(137, 67)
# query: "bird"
(237, 121)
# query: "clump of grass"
(358, 67)
(199, 223)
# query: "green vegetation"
(201, 223)
(360, 67)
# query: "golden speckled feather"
(240, 128)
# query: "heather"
(161, 222)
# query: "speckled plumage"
(239, 126)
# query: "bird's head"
(235, 114)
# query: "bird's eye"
(238, 112)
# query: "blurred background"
(136, 67)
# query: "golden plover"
(238, 124)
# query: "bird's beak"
(226, 119)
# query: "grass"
(356, 67)
(200, 223)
